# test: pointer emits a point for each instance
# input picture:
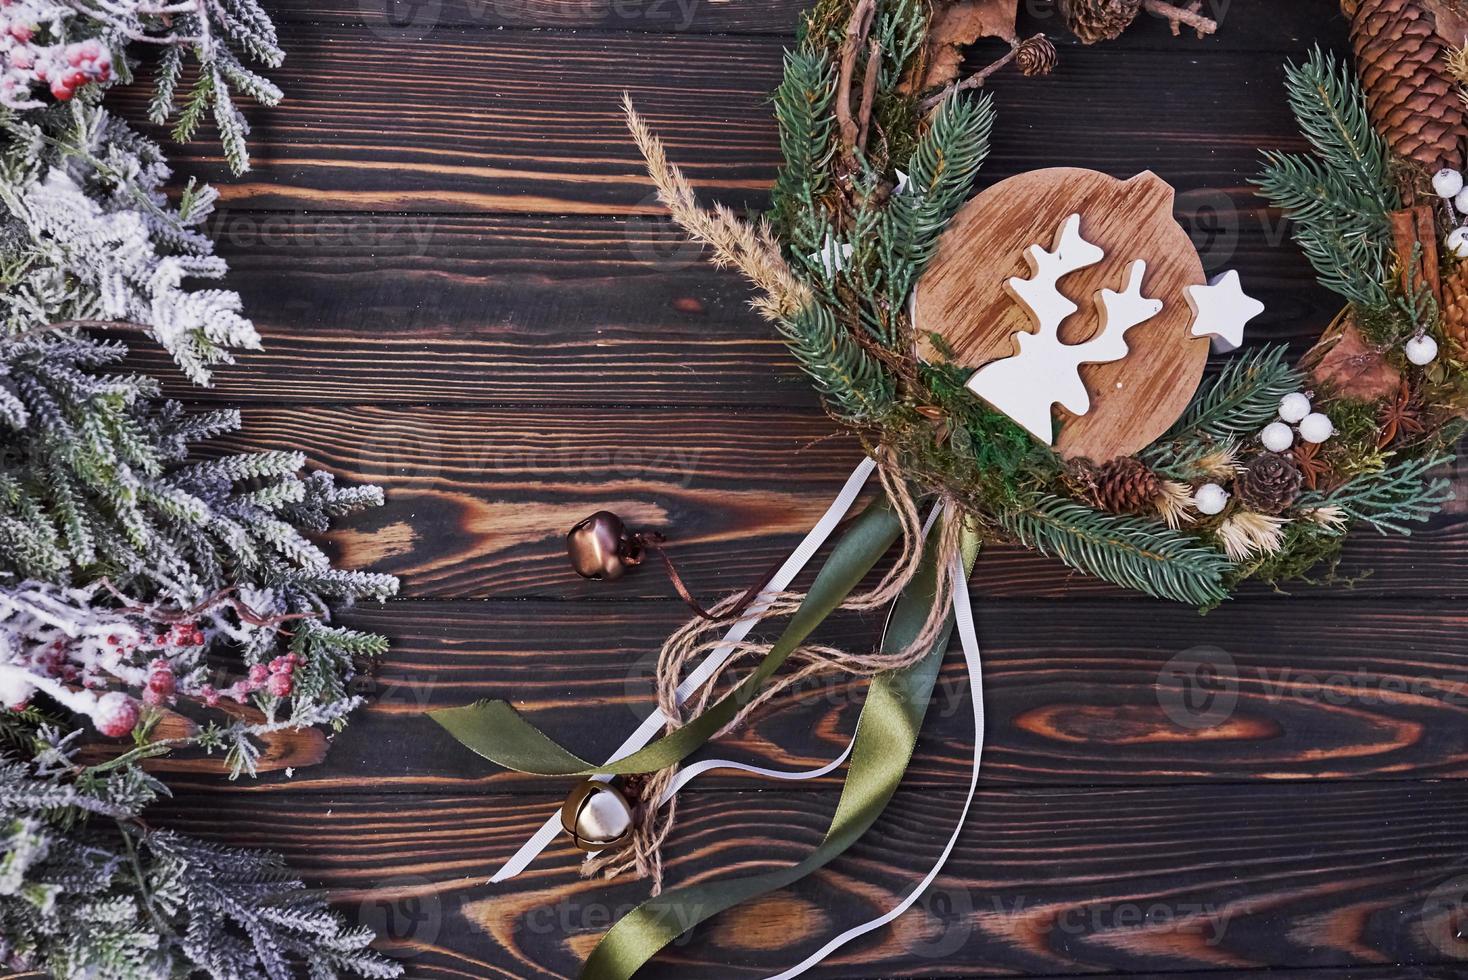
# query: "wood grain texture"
(479, 497)
(525, 309)
(1153, 694)
(365, 126)
(1044, 882)
(469, 296)
(964, 297)
(1290, 26)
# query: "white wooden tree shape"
(1046, 370)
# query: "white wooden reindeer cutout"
(1046, 370)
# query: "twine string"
(642, 855)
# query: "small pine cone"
(1270, 483)
(1126, 486)
(1036, 56)
(1411, 96)
(1455, 307)
(1099, 20)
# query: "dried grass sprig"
(1247, 535)
(750, 248)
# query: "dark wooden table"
(468, 296)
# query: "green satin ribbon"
(496, 731)
(886, 734)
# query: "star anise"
(1400, 417)
(1312, 467)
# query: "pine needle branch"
(1128, 551)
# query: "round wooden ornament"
(1081, 250)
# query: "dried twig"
(869, 94)
(1183, 15)
(856, 33)
(224, 596)
(975, 80)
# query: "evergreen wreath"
(873, 172)
(155, 596)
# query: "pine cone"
(1270, 484)
(1036, 56)
(1125, 486)
(1410, 94)
(1455, 307)
(1099, 20)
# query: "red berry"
(210, 696)
(115, 714)
(258, 674)
(280, 685)
(163, 682)
(61, 90)
(22, 32)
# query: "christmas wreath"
(153, 599)
(940, 329)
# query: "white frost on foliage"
(115, 254)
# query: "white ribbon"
(964, 624)
(963, 616)
(656, 721)
(963, 620)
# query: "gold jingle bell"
(601, 547)
(597, 816)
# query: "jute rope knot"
(643, 853)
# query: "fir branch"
(854, 383)
(808, 144)
(1388, 500)
(1128, 551)
(1236, 403)
(1340, 197)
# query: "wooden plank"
(1144, 694)
(479, 498)
(374, 124)
(521, 309)
(1043, 882)
(1289, 28)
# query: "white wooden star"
(1220, 310)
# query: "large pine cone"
(1411, 97)
(1099, 20)
(1270, 484)
(1455, 307)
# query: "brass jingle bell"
(601, 547)
(597, 816)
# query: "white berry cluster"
(31, 57)
(1296, 415)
